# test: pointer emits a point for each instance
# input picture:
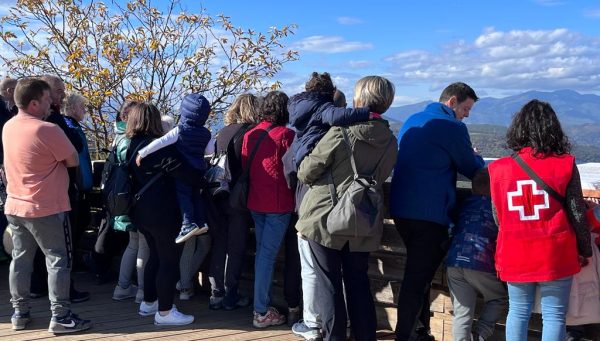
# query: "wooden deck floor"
(119, 320)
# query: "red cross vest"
(536, 242)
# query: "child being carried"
(191, 138)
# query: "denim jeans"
(191, 203)
(554, 301)
(269, 230)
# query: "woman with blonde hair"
(361, 148)
(231, 226)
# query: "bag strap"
(353, 163)
(538, 180)
(152, 180)
(332, 190)
(255, 149)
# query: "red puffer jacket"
(268, 192)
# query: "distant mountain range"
(571, 107)
(487, 123)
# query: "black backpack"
(116, 184)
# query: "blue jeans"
(269, 230)
(191, 203)
(554, 301)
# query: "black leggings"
(162, 270)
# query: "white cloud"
(349, 21)
(359, 64)
(592, 13)
(518, 59)
(329, 44)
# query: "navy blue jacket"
(85, 162)
(193, 136)
(311, 116)
(433, 146)
(474, 236)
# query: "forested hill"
(489, 140)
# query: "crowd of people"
(284, 164)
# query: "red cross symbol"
(528, 200)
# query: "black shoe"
(79, 296)
(69, 323)
(293, 316)
(423, 334)
(242, 301)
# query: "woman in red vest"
(543, 235)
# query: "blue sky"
(498, 47)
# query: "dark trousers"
(292, 279)
(229, 232)
(329, 266)
(425, 247)
(162, 270)
(191, 203)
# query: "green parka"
(122, 222)
(370, 140)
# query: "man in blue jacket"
(433, 146)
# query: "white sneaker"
(178, 285)
(186, 294)
(139, 296)
(121, 294)
(148, 309)
(173, 318)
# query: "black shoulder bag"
(238, 198)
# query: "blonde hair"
(144, 118)
(374, 92)
(72, 99)
(244, 109)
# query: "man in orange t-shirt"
(36, 157)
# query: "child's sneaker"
(139, 296)
(70, 323)
(20, 320)
(187, 231)
(173, 318)
(186, 294)
(147, 309)
(301, 329)
(201, 230)
(271, 318)
(121, 294)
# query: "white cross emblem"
(528, 200)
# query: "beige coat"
(370, 141)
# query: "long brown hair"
(144, 118)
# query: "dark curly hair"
(536, 125)
(321, 83)
(274, 108)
